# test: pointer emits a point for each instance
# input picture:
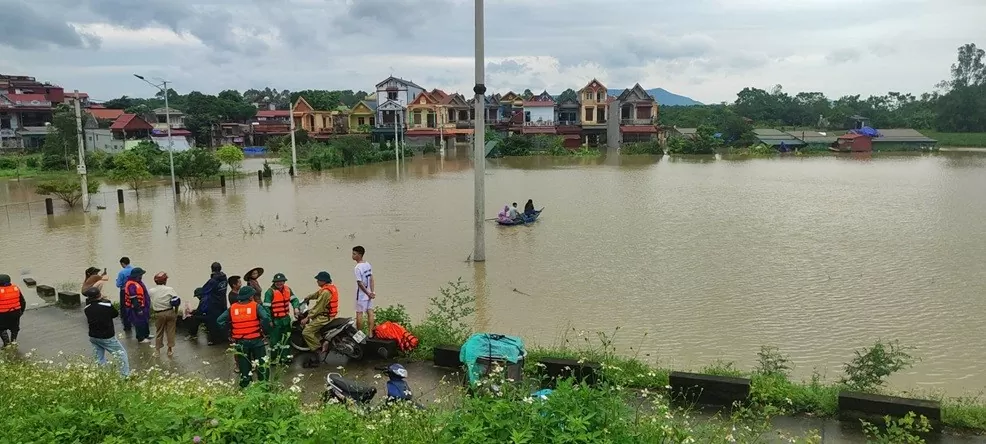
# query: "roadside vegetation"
(958, 140)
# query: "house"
(105, 116)
(269, 123)
(82, 97)
(539, 115)
(318, 123)
(28, 85)
(340, 119)
(593, 104)
(231, 133)
(505, 111)
(855, 143)
(22, 119)
(567, 123)
(163, 115)
(638, 115)
(422, 125)
(810, 137)
(685, 133)
(363, 116)
(130, 126)
(902, 139)
(393, 96)
(454, 120)
(775, 138)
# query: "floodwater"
(694, 259)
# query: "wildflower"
(197, 439)
(205, 362)
(730, 438)
(529, 400)
(377, 376)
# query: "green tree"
(231, 155)
(131, 167)
(68, 190)
(319, 99)
(195, 166)
(568, 94)
(62, 139)
(527, 94)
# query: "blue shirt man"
(121, 280)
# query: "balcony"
(637, 122)
(568, 123)
(540, 123)
(464, 124)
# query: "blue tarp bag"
(492, 346)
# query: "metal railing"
(637, 121)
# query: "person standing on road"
(213, 303)
(364, 289)
(12, 306)
(279, 299)
(252, 279)
(121, 279)
(137, 305)
(164, 302)
(248, 323)
(102, 336)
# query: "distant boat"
(524, 220)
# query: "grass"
(958, 140)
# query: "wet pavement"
(60, 335)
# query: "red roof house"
(105, 113)
(131, 125)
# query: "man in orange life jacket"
(12, 306)
(324, 311)
(138, 305)
(279, 299)
(248, 322)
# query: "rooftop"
(902, 135)
(105, 113)
(774, 137)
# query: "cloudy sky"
(705, 49)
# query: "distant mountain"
(664, 97)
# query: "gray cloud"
(506, 67)
(393, 17)
(844, 55)
(24, 27)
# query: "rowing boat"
(523, 220)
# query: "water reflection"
(711, 258)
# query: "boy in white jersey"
(364, 289)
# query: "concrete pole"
(171, 142)
(294, 149)
(82, 153)
(479, 142)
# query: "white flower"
(205, 362)
(529, 400)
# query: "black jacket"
(100, 314)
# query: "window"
(589, 114)
(372, 121)
(600, 96)
(527, 116)
(391, 95)
(588, 95)
(361, 121)
(5, 121)
(417, 117)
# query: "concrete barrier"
(583, 372)
(30, 282)
(856, 405)
(69, 299)
(46, 291)
(379, 348)
(709, 389)
(447, 356)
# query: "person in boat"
(513, 213)
(529, 208)
(504, 216)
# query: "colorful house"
(539, 114)
(318, 123)
(22, 119)
(454, 119)
(422, 125)
(131, 126)
(393, 96)
(594, 103)
(638, 115)
(363, 116)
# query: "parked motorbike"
(345, 390)
(341, 334)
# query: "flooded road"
(710, 258)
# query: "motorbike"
(341, 335)
(344, 390)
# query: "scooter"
(345, 390)
(341, 335)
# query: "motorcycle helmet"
(397, 371)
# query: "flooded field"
(710, 258)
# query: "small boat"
(524, 220)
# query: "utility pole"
(171, 142)
(82, 153)
(294, 149)
(397, 143)
(479, 140)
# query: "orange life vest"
(333, 300)
(138, 292)
(245, 321)
(391, 330)
(280, 302)
(10, 299)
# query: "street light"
(163, 87)
(479, 140)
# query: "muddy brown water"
(695, 259)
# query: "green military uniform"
(253, 349)
(324, 311)
(281, 331)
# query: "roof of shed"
(902, 135)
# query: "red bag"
(390, 330)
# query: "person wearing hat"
(252, 279)
(213, 303)
(100, 314)
(137, 305)
(248, 323)
(12, 306)
(325, 309)
(164, 303)
(278, 299)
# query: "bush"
(195, 166)
(324, 157)
(393, 313)
(32, 161)
(68, 190)
(231, 155)
(131, 168)
(869, 369)
(54, 162)
(429, 148)
(651, 148)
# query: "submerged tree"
(68, 190)
(231, 155)
(131, 167)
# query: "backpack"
(391, 330)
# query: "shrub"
(231, 156)
(771, 362)
(324, 157)
(10, 162)
(651, 148)
(131, 168)
(869, 370)
(68, 190)
(393, 313)
(54, 162)
(429, 148)
(195, 166)
(32, 161)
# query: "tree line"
(957, 104)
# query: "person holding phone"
(94, 279)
